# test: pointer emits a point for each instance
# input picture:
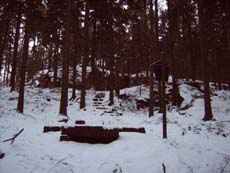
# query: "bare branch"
(14, 137)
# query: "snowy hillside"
(192, 145)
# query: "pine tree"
(86, 55)
(15, 53)
(111, 54)
(172, 35)
(4, 39)
(204, 24)
(20, 105)
(151, 80)
(65, 62)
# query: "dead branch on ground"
(14, 137)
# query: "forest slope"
(192, 145)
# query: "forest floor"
(192, 145)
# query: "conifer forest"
(114, 86)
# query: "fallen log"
(87, 134)
(64, 138)
(80, 122)
(129, 129)
(124, 129)
(51, 129)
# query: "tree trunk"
(157, 47)
(5, 31)
(151, 80)
(188, 39)
(20, 105)
(145, 42)
(151, 101)
(75, 57)
(55, 65)
(111, 83)
(65, 64)
(7, 69)
(204, 37)
(50, 56)
(159, 96)
(226, 27)
(74, 77)
(172, 53)
(74, 66)
(111, 53)
(65, 82)
(163, 67)
(85, 59)
(158, 55)
(163, 104)
(15, 53)
(117, 80)
(94, 49)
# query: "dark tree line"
(121, 38)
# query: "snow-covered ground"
(192, 145)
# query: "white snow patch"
(192, 145)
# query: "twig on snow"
(29, 116)
(14, 137)
(59, 161)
